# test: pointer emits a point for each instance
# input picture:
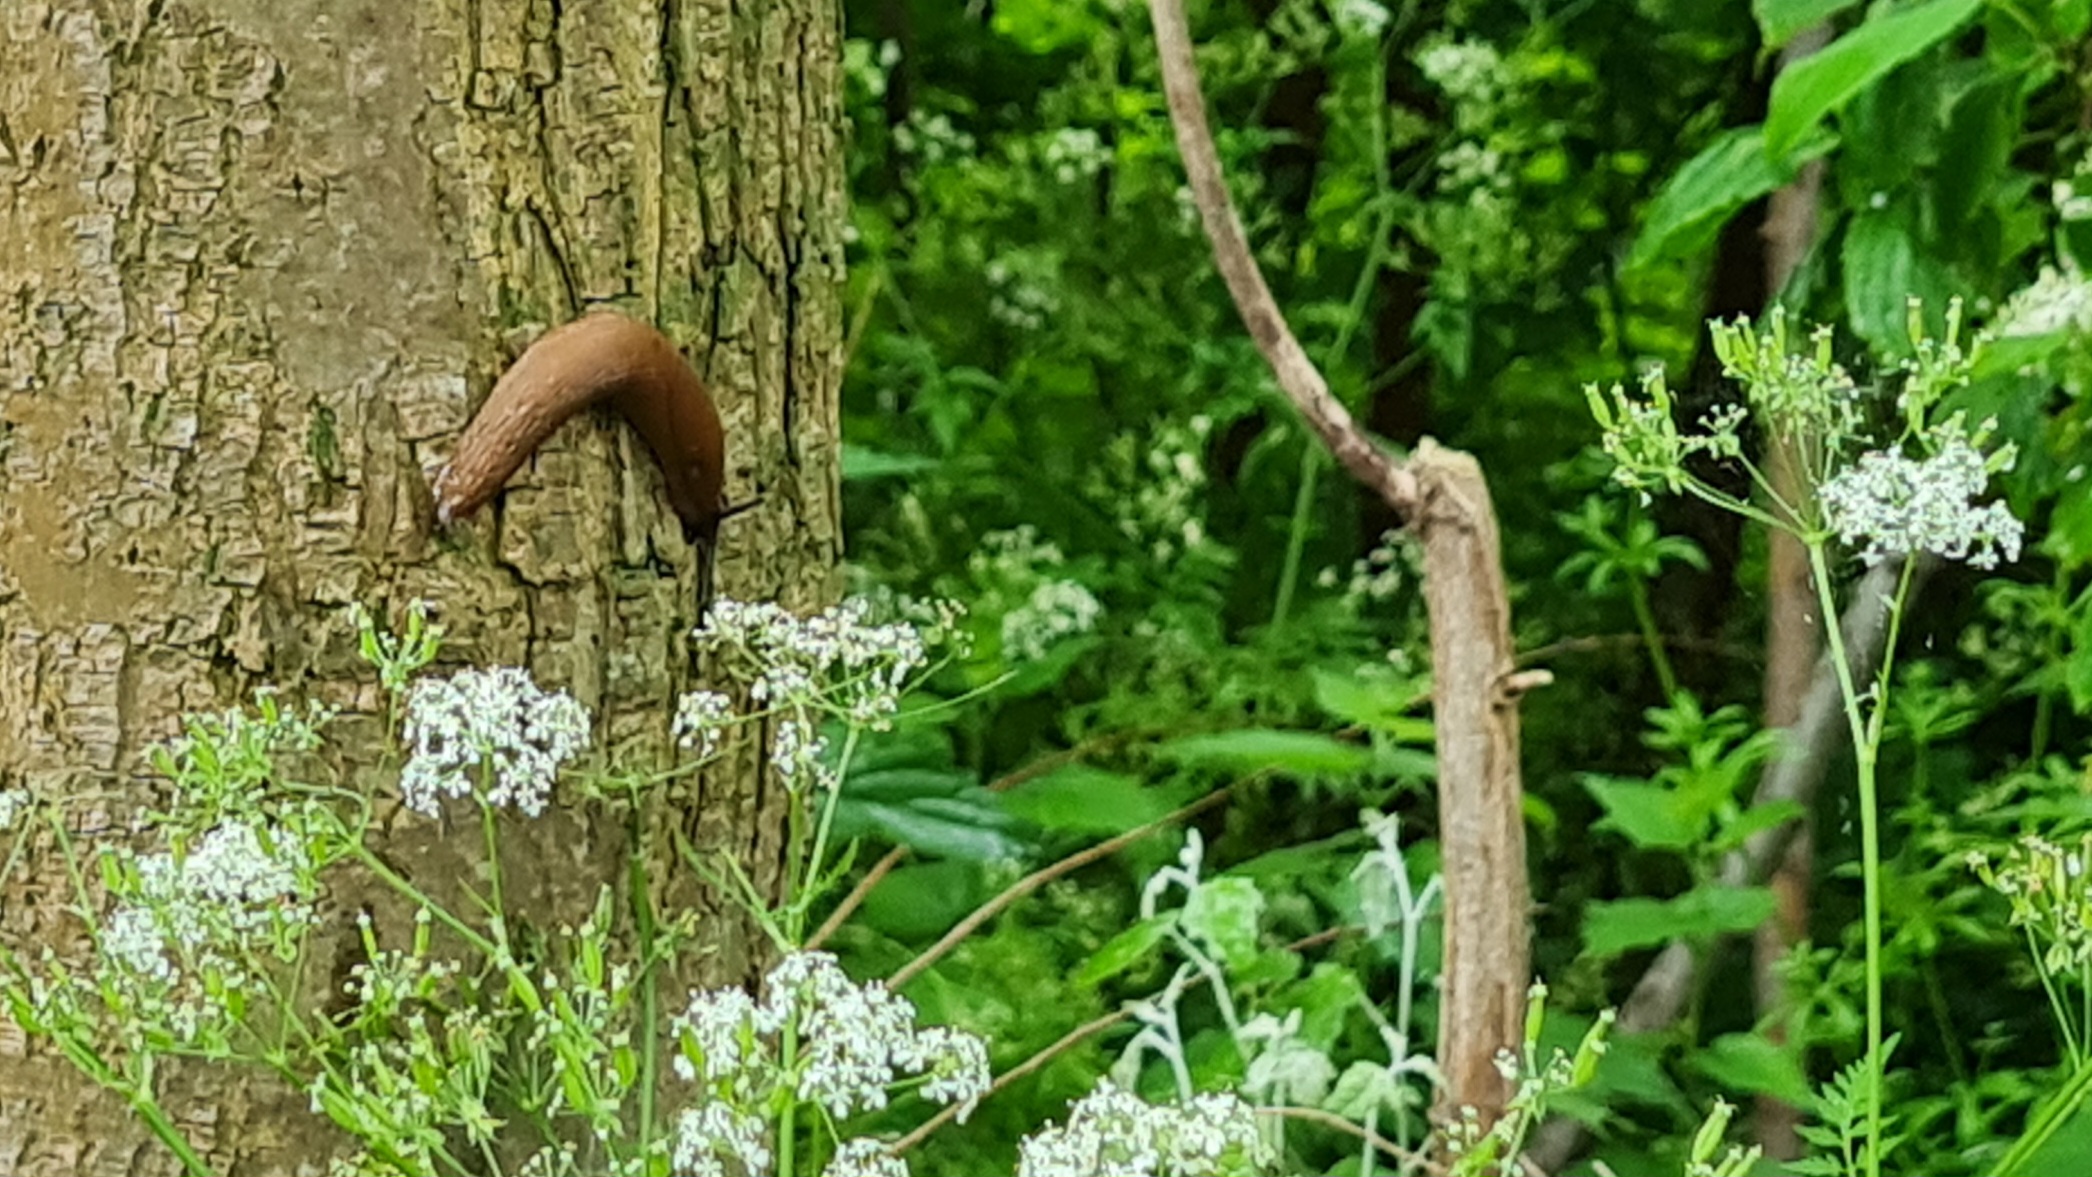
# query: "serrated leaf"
(1650, 816)
(1379, 702)
(1810, 90)
(1123, 951)
(1727, 174)
(1627, 924)
(1755, 820)
(1753, 1064)
(1250, 749)
(1086, 800)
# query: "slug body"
(600, 356)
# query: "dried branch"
(1442, 495)
(1040, 878)
(1296, 374)
(1066, 1042)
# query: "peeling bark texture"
(1481, 819)
(259, 259)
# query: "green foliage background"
(1468, 210)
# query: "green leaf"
(905, 783)
(1754, 1064)
(1044, 26)
(2058, 1137)
(1650, 816)
(941, 813)
(1812, 89)
(1250, 749)
(1627, 924)
(863, 464)
(2077, 669)
(1729, 173)
(1756, 820)
(921, 899)
(1223, 913)
(1884, 270)
(946, 827)
(1378, 701)
(1123, 951)
(1779, 20)
(1086, 800)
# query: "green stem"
(796, 915)
(1296, 533)
(787, 1126)
(1638, 596)
(498, 917)
(148, 1109)
(649, 981)
(1312, 452)
(414, 894)
(1866, 744)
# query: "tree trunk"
(259, 260)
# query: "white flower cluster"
(932, 138)
(202, 910)
(2072, 202)
(1896, 505)
(1153, 481)
(1379, 575)
(498, 721)
(1359, 18)
(1075, 153)
(853, 1043)
(1021, 290)
(1013, 554)
(838, 656)
(1470, 72)
(711, 1134)
(2057, 300)
(13, 804)
(1116, 1132)
(865, 1158)
(2050, 893)
(1055, 610)
(699, 717)
(1470, 164)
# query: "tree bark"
(259, 260)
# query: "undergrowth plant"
(482, 1044)
(1888, 477)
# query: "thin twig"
(1002, 784)
(1406, 1156)
(855, 899)
(1043, 876)
(1596, 642)
(1066, 1042)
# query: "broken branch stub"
(1442, 496)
